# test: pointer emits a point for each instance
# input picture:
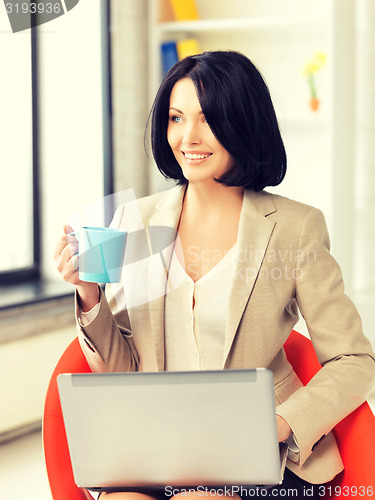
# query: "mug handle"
(76, 260)
(74, 233)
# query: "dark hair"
(237, 105)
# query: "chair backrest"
(56, 451)
(355, 435)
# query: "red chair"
(355, 434)
(56, 452)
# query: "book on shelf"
(168, 55)
(184, 10)
(187, 47)
(173, 51)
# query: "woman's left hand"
(283, 429)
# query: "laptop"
(149, 431)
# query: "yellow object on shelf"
(310, 69)
(188, 47)
(184, 10)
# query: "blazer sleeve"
(335, 328)
(107, 341)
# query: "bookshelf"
(279, 37)
(230, 24)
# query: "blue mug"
(101, 254)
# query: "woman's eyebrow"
(175, 109)
(181, 112)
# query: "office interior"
(94, 75)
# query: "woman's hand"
(283, 429)
(66, 257)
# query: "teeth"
(195, 156)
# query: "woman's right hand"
(66, 257)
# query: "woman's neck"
(212, 197)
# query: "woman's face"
(196, 149)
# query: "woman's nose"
(191, 134)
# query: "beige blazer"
(284, 266)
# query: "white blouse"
(194, 339)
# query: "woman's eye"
(176, 119)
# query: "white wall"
(25, 368)
(364, 167)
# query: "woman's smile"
(196, 157)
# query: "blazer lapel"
(254, 233)
(162, 232)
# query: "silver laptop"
(142, 431)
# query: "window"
(19, 251)
(73, 134)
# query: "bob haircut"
(237, 106)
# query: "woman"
(243, 264)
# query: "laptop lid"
(129, 431)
